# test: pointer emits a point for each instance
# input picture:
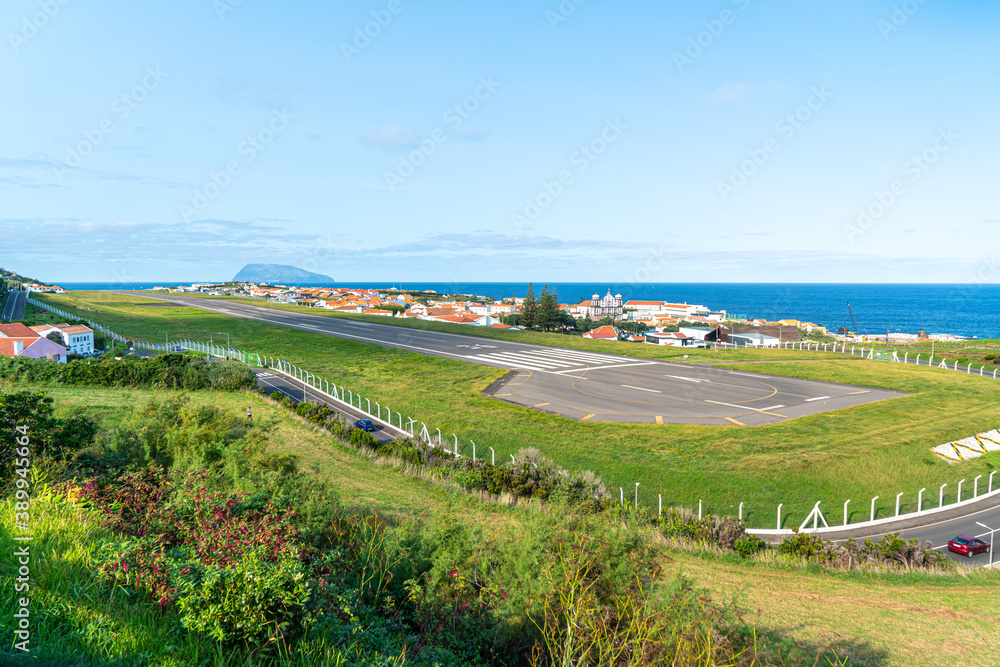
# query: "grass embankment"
(803, 615)
(911, 619)
(362, 483)
(876, 449)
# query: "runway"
(589, 386)
(14, 307)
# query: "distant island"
(279, 273)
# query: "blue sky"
(545, 141)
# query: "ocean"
(972, 311)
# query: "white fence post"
(897, 501)
(779, 515)
(975, 486)
(960, 491)
(920, 500)
(660, 512)
(845, 511)
(493, 457)
(873, 507)
(699, 510)
(941, 496)
(741, 511)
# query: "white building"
(77, 339)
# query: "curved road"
(589, 386)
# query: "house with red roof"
(17, 340)
(606, 332)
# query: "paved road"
(590, 386)
(14, 306)
(938, 527)
(273, 381)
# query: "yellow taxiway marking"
(853, 393)
(730, 419)
(583, 419)
(540, 405)
(503, 394)
(659, 419)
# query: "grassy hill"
(876, 449)
(781, 611)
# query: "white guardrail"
(407, 426)
(874, 353)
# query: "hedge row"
(172, 370)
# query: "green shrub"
(891, 551)
(255, 601)
(749, 546)
(165, 370)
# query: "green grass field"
(877, 449)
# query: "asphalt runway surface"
(589, 386)
(14, 306)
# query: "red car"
(967, 545)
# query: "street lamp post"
(211, 343)
(228, 346)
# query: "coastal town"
(600, 317)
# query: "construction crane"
(854, 323)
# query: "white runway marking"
(818, 398)
(681, 377)
(601, 368)
(744, 407)
(509, 357)
(642, 389)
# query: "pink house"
(17, 340)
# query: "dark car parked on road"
(967, 545)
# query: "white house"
(667, 338)
(77, 339)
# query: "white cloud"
(390, 136)
(731, 92)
